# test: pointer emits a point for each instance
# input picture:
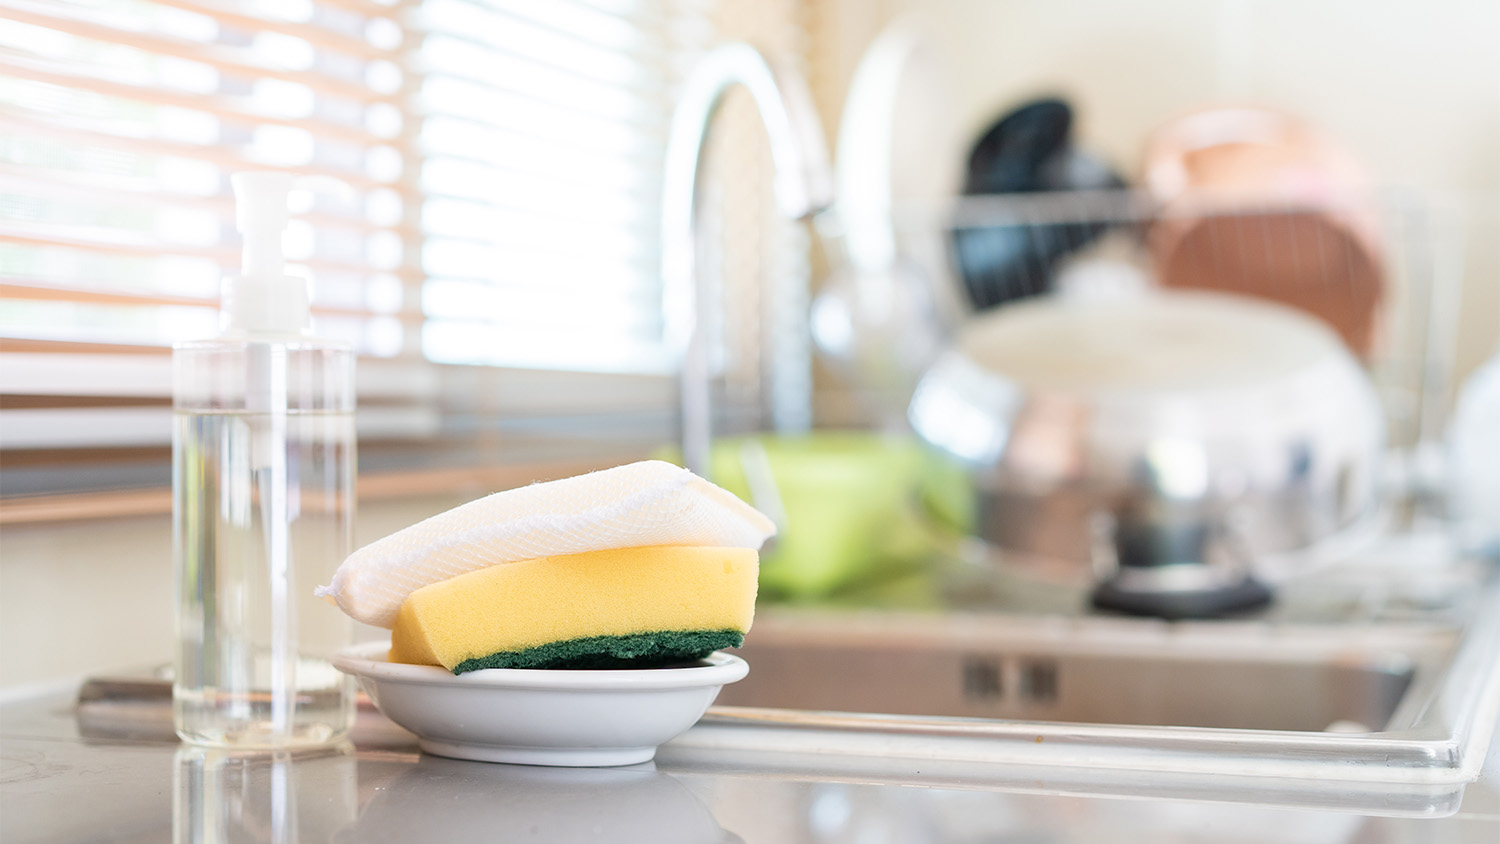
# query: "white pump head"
(262, 298)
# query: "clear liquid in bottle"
(263, 464)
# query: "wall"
(1413, 89)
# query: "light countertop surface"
(64, 780)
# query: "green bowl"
(852, 525)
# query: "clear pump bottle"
(263, 503)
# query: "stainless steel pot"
(1174, 449)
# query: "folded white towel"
(646, 503)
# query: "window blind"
(477, 185)
(542, 127)
(120, 123)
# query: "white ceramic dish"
(535, 717)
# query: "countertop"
(63, 781)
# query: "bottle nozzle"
(260, 216)
(263, 297)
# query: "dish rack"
(1384, 268)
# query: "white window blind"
(121, 122)
(542, 131)
(478, 185)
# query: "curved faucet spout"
(803, 186)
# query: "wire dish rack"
(1383, 269)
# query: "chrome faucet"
(803, 186)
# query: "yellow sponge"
(624, 607)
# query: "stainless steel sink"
(1385, 686)
(1241, 676)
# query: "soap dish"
(572, 718)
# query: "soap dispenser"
(263, 455)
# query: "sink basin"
(1392, 700)
(1104, 671)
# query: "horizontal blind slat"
(134, 427)
(504, 86)
(368, 9)
(11, 289)
(316, 35)
(84, 373)
(19, 290)
(26, 181)
(594, 161)
(28, 121)
(223, 58)
(225, 256)
(32, 345)
(221, 107)
(638, 20)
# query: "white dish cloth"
(646, 503)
